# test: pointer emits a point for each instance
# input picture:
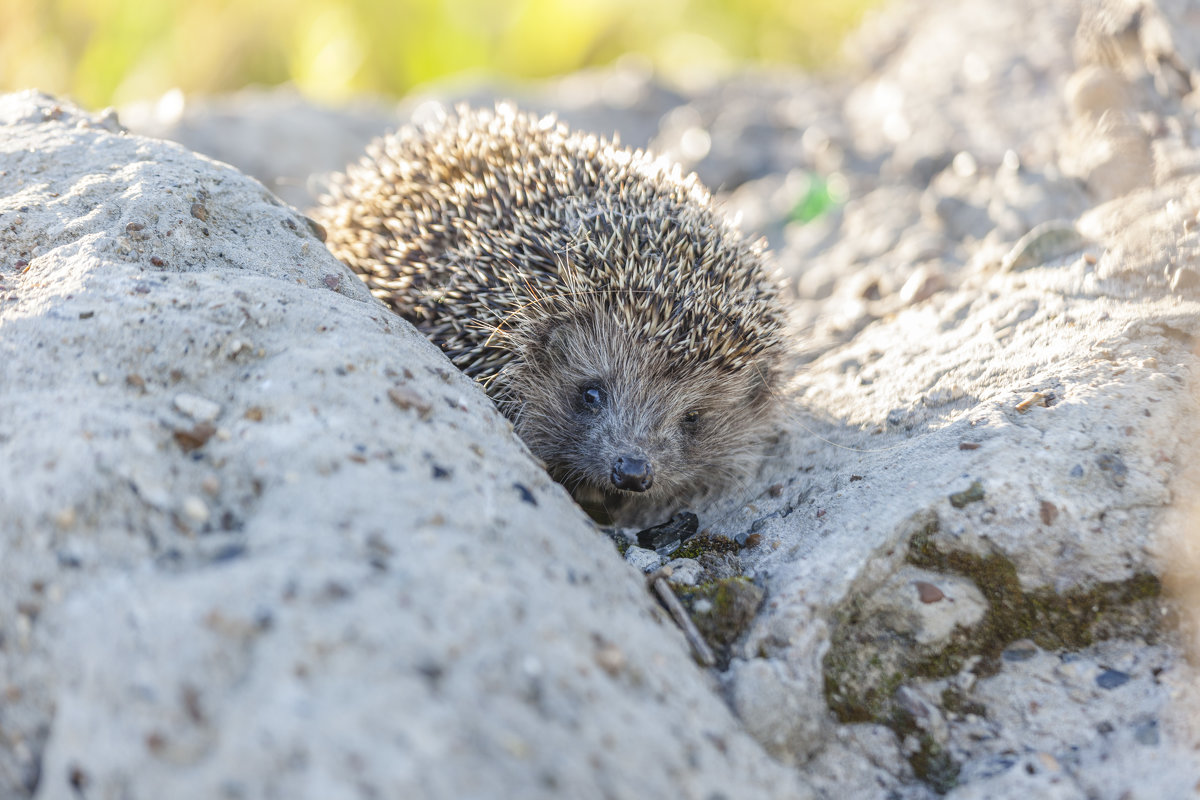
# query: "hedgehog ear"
(555, 338)
(552, 345)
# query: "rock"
(684, 571)
(999, 294)
(642, 559)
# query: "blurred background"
(110, 52)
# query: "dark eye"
(691, 420)
(592, 397)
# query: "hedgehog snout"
(632, 474)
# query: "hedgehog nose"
(632, 474)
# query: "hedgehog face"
(627, 430)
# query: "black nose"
(632, 474)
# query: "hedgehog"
(630, 333)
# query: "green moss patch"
(867, 661)
(721, 610)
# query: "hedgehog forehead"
(643, 372)
(672, 275)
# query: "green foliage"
(111, 51)
(819, 196)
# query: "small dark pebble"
(20, 263)
(158, 262)
(1147, 733)
(753, 540)
(668, 535)
(968, 445)
(776, 490)
(68, 560)
(86, 314)
(1112, 678)
(332, 281)
(440, 473)
(997, 766)
(1077, 471)
(431, 670)
(230, 552)
(407, 398)
(854, 478)
(156, 742)
(134, 227)
(1048, 512)
(972, 494)
(1020, 652)
(526, 495)
(928, 593)
(333, 590)
(1105, 728)
(1115, 467)
(200, 212)
(194, 438)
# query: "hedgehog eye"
(592, 397)
(691, 420)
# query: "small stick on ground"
(700, 649)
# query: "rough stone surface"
(994, 402)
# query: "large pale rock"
(961, 535)
(261, 540)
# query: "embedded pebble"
(198, 408)
(1114, 467)
(645, 560)
(65, 519)
(1112, 678)
(1022, 650)
(972, 494)
(928, 593)
(1147, 733)
(407, 399)
(685, 571)
(190, 439)
(195, 509)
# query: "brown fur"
(543, 262)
